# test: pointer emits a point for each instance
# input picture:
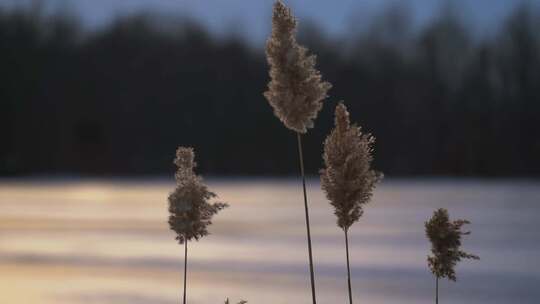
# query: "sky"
(250, 18)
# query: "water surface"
(107, 241)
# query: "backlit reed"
(295, 92)
(347, 178)
(445, 237)
(190, 212)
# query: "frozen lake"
(107, 241)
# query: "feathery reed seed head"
(348, 179)
(445, 238)
(241, 302)
(296, 89)
(185, 159)
(189, 210)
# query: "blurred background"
(113, 87)
(96, 95)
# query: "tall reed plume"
(347, 178)
(295, 92)
(445, 237)
(189, 207)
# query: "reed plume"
(295, 91)
(445, 237)
(190, 212)
(347, 178)
(241, 302)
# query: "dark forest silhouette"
(119, 101)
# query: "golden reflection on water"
(108, 242)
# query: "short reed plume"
(445, 238)
(295, 91)
(347, 178)
(241, 302)
(189, 206)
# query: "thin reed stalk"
(348, 266)
(185, 270)
(436, 290)
(310, 251)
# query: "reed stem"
(185, 269)
(348, 267)
(437, 290)
(300, 153)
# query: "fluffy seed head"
(241, 302)
(185, 159)
(347, 178)
(445, 238)
(189, 209)
(296, 89)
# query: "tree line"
(118, 101)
